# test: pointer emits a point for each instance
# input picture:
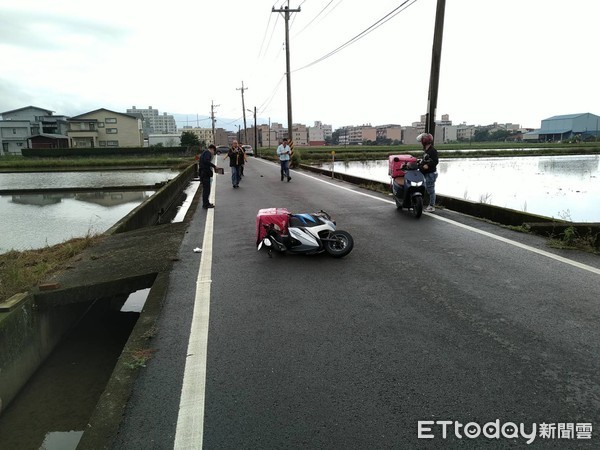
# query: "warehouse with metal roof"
(566, 127)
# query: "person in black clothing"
(429, 164)
(206, 172)
(236, 159)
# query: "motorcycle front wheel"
(340, 245)
(398, 202)
(417, 206)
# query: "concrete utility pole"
(286, 15)
(212, 117)
(244, 112)
(434, 77)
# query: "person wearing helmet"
(429, 164)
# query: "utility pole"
(286, 15)
(434, 77)
(212, 117)
(244, 112)
(255, 133)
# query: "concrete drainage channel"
(61, 346)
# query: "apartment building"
(267, 137)
(390, 132)
(319, 133)
(204, 134)
(154, 122)
(105, 128)
(280, 132)
(300, 135)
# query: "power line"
(233, 121)
(331, 10)
(264, 36)
(314, 18)
(267, 102)
(271, 36)
(363, 33)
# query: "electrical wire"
(265, 35)
(314, 18)
(362, 34)
(262, 108)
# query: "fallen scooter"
(408, 183)
(277, 229)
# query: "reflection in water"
(112, 198)
(136, 301)
(573, 165)
(34, 221)
(94, 179)
(61, 440)
(39, 199)
(563, 187)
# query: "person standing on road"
(236, 160)
(284, 152)
(206, 166)
(429, 164)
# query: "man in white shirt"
(284, 151)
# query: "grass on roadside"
(22, 271)
(572, 240)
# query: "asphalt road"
(449, 319)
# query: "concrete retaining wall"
(28, 336)
(154, 210)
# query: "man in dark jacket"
(236, 159)
(429, 167)
(206, 173)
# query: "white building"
(166, 140)
(319, 133)
(154, 123)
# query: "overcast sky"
(517, 61)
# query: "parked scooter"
(278, 229)
(408, 183)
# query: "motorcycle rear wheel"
(340, 245)
(417, 206)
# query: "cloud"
(36, 31)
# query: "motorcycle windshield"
(414, 176)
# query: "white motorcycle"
(279, 230)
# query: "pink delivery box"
(395, 163)
(276, 216)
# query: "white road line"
(473, 229)
(190, 421)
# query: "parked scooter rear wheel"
(417, 206)
(340, 245)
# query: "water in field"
(35, 221)
(563, 187)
